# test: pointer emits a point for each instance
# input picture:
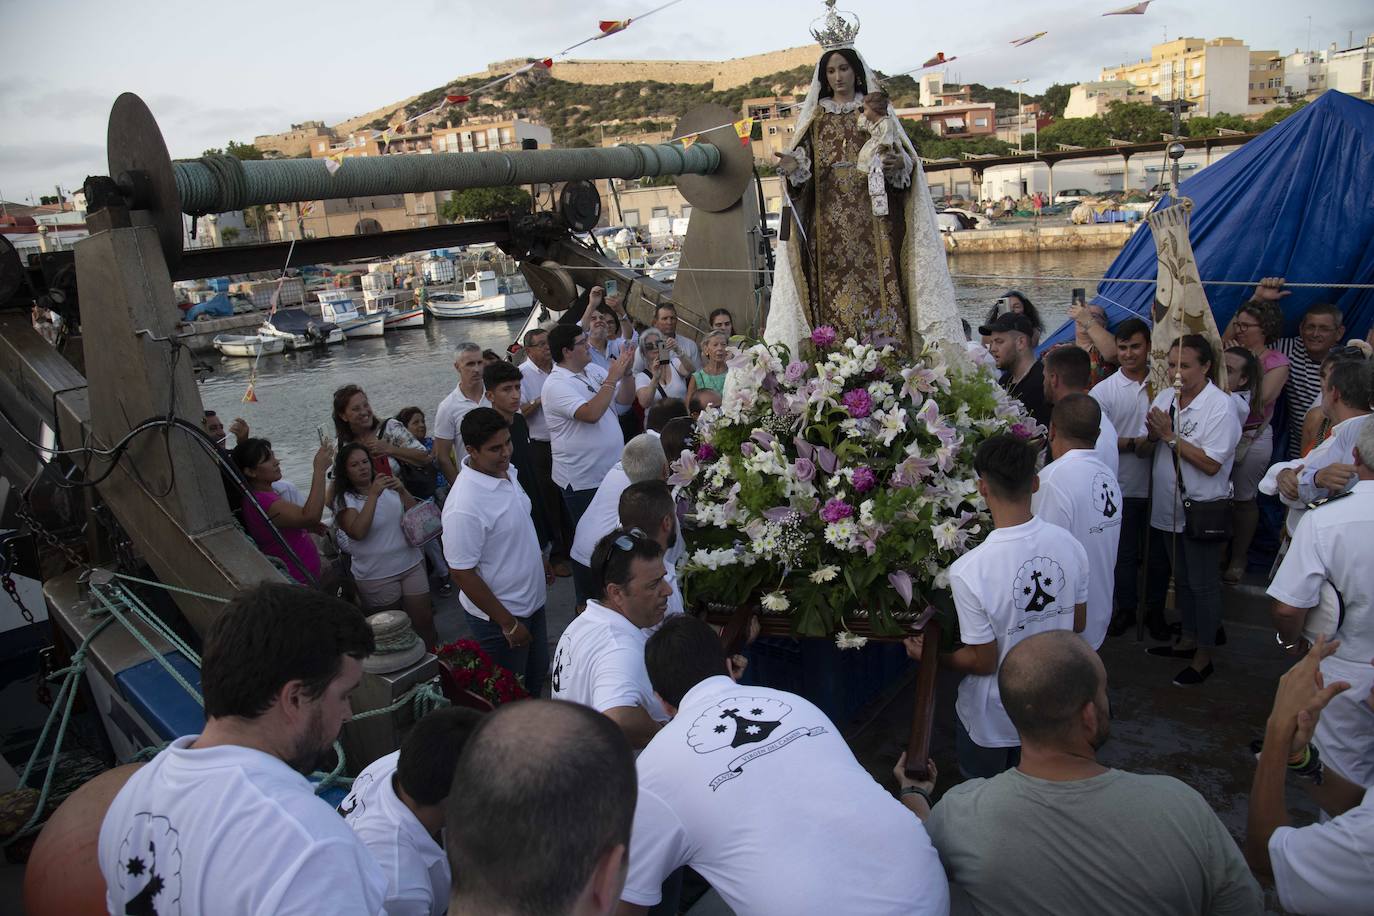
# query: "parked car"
(954, 219)
(1072, 195)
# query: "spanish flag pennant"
(611, 26)
(547, 63)
(456, 99)
(307, 208)
(333, 164)
(688, 140)
(938, 59)
(743, 128)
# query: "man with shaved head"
(1061, 829)
(539, 817)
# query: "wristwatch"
(1287, 647)
(1310, 767)
(917, 790)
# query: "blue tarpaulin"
(1296, 202)
(217, 306)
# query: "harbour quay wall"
(1045, 238)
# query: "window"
(686, 211)
(962, 189)
(658, 213)
(980, 122)
(631, 217)
(1197, 68)
(507, 136)
(937, 190)
(772, 130)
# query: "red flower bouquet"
(471, 678)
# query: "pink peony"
(1023, 430)
(823, 336)
(836, 509)
(858, 403)
(864, 479)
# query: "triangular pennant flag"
(743, 128)
(1135, 9)
(1028, 39)
(333, 164)
(307, 208)
(456, 99)
(938, 59)
(611, 26)
(688, 140)
(250, 396)
(548, 63)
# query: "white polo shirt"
(1080, 494)
(599, 663)
(230, 829)
(1210, 423)
(418, 879)
(531, 390)
(1126, 403)
(1337, 448)
(758, 792)
(1020, 581)
(487, 527)
(582, 452)
(1331, 547)
(1327, 868)
(602, 515)
(448, 420)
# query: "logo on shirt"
(1107, 500)
(743, 722)
(560, 660)
(353, 802)
(1039, 583)
(149, 867)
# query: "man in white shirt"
(757, 791)
(1331, 550)
(535, 371)
(396, 807)
(1193, 440)
(1326, 867)
(467, 394)
(493, 553)
(541, 824)
(1099, 822)
(1080, 494)
(1068, 370)
(1027, 577)
(583, 429)
(648, 506)
(225, 821)
(641, 459)
(608, 326)
(599, 661)
(686, 349)
(1125, 400)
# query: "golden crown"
(838, 28)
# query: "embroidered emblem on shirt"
(1039, 583)
(1107, 500)
(353, 802)
(740, 722)
(149, 868)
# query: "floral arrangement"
(839, 487)
(472, 669)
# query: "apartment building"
(1217, 75)
(1092, 100)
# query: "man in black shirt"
(502, 381)
(1023, 376)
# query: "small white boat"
(484, 296)
(298, 330)
(240, 345)
(336, 307)
(393, 314)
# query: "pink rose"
(795, 372)
(804, 469)
(823, 336)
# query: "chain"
(25, 514)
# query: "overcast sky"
(215, 72)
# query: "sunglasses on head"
(626, 542)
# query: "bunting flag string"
(250, 396)
(743, 128)
(1135, 9)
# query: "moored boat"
(337, 306)
(484, 295)
(299, 330)
(244, 345)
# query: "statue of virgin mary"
(869, 276)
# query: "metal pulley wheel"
(551, 283)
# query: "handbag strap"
(1178, 467)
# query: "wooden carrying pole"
(923, 710)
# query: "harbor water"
(414, 367)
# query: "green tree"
(229, 234)
(1275, 115)
(1136, 122)
(1087, 132)
(1055, 100)
(485, 203)
(1203, 126)
(240, 151)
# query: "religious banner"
(1180, 304)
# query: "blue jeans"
(531, 662)
(576, 502)
(1135, 518)
(978, 762)
(582, 582)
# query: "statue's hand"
(787, 164)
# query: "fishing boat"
(252, 346)
(484, 295)
(337, 307)
(299, 330)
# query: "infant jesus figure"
(882, 140)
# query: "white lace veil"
(930, 291)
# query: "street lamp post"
(1020, 114)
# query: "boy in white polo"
(578, 401)
(493, 552)
(397, 805)
(1027, 577)
(757, 791)
(1080, 494)
(599, 661)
